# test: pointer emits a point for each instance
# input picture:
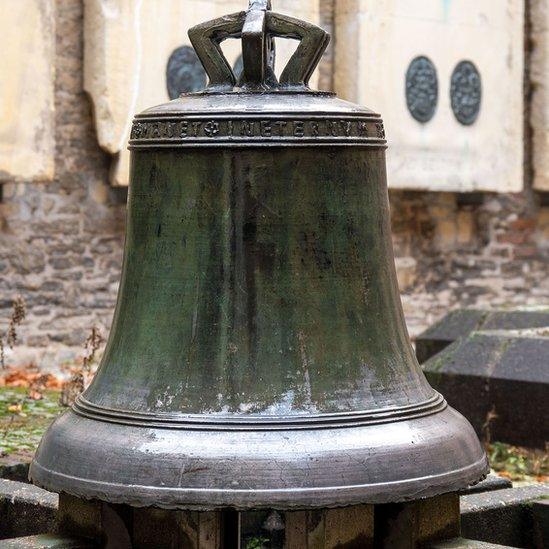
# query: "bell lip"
(207, 470)
(254, 422)
(207, 499)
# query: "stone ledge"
(462, 322)
(503, 516)
(489, 484)
(499, 381)
(26, 509)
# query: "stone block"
(128, 45)
(499, 381)
(540, 512)
(25, 509)
(27, 140)
(406, 268)
(453, 107)
(465, 227)
(543, 227)
(505, 516)
(462, 322)
(539, 74)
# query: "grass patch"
(24, 420)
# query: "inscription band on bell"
(227, 130)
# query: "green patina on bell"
(258, 355)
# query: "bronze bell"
(258, 355)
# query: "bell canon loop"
(258, 355)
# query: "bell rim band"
(251, 144)
(200, 469)
(219, 422)
(201, 499)
(176, 129)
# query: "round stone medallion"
(184, 72)
(466, 92)
(422, 89)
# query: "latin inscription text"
(243, 129)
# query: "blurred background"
(463, 87)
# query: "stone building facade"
(62, 207)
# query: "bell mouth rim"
(245, 422)
(185, 469)
(195, 498)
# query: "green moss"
(23, 420)
(437, 363)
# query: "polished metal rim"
(209, 469)
(284, 498)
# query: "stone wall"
(447, 78)
(456, 250)
(61, 241)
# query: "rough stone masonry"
(61, 241)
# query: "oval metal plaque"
(184, 72)
(422, 89)
(466, 92)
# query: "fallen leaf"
(35, 395)
(15, 408)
